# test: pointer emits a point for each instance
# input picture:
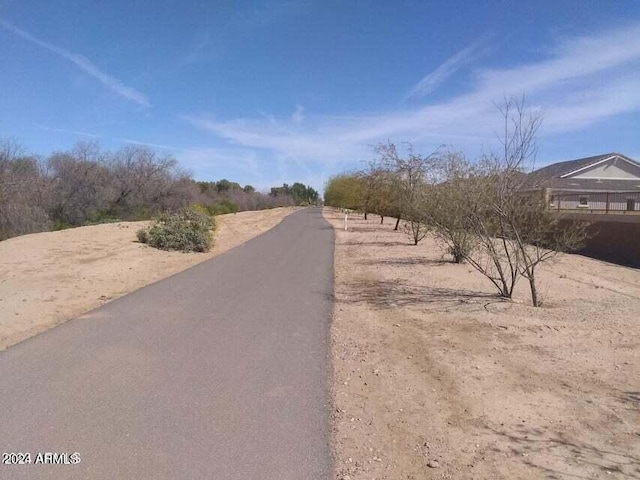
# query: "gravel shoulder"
(48, 278)
(435, 377)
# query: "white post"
(345, 221)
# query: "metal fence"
(597, 202)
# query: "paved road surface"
(218, 372)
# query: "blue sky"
(283, 91)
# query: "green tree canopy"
(345, 191)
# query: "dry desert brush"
(446, 209)
(511, 229)
(187, 231)
(410, 186)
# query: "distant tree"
(206, 186)
(79, 185)
(303, 194)
(143, 181)
(345, 191)
(23, 192)
(225, 185)
(409, 178)
(89, 184)
(280, 191)
(300, 193)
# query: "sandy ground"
(48, 278)
(437, 378)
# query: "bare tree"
(79, 186)
(90, 184)
(22, 192)
(540, 235)
(409, 177)
(446, 206)
(494, 196)
(513, 229)
(496, 255)
(142, 180)
(378, 195)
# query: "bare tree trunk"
(397, 224)
(534, 291)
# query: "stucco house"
(608, 183)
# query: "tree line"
(483, 212)
(88, 184)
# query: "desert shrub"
(219, 208)
(187, 231)
(102, 217)
(222, 207)
(143, 235)
(459, 244)
(203, 209)
(60, 225)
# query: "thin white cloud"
(580, 82)
(284, 139)
(83, 64)
(129, 141)
(66, 131)
(454, 63)
(576, 58)
(148, 144)
(209, 162)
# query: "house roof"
(591, 184)
(552, 175)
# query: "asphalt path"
(218, 372)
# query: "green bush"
(187, 231)
(143, 235)
(203, 209)
(60, 225)
(219, 208)
(100, 219)
(222, 207)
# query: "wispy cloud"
(83, 64)
(210, 161)
(129, 141)
(204, 162)
(581, 81)
(66, 131)
(216, 40)
(436, 78)
(148, 144)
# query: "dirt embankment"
(435, 377)
(47, 278)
